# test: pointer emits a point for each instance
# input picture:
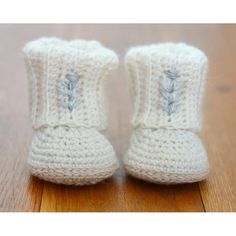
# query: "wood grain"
(21, 192)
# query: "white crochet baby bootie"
(68, 109)
(167, 82)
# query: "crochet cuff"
(167, 81)
(65, 82)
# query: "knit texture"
(68, 108)
(167, 83)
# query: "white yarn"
(68, 106)
(167, 83)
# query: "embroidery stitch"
(169, 89)
(69, 84)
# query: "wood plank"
(219, 192)
(18, 191)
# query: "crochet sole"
(72, 176)
(164, 177)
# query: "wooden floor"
(21, 192)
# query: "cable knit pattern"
(68, 108)
(167, 83)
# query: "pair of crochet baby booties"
(68, 109)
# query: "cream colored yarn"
(68, 108)
(167, 82)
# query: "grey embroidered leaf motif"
(170, 88)
(172, 107)
(172, 74)
(69, 83)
